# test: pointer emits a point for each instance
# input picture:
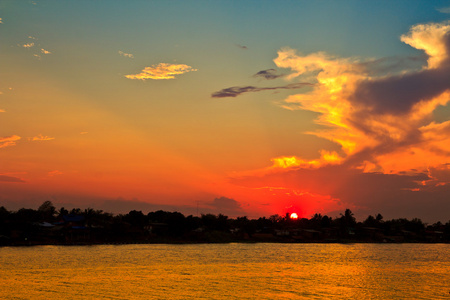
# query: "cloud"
(41, 137)
(2, 110)
(393, 154)
(129, 55)
(1, 21)
(398, 94)
(387, 66)
(444, 10)
(268, 74)
(225, 206)
(9, 141)
(333, 188)
(33, 44)
(227, 203)
(242, 47)
(162, 71)
(237, 90)
(6, 178)
(434, 39)
(326, 158)
(54, 173)
(369, 116)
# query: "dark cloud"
(225, 206)
(393, 65)
(440, 174)
(238, 90)
(242, 47)
(397, 94)
(392, 195)
(227, 203)
(337, 181)
(5, 178)
(268, 74)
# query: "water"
(227, 271)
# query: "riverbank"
(47, 226)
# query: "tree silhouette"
(47, 211)
(24, 227)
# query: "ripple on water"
(236, 271)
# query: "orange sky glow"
(128, 114)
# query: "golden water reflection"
(227, 271)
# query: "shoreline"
(206, 243)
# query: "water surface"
(227, 271)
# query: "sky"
(245, 108)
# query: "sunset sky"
(237, 107)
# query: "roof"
(73, 218)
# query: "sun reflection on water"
(224, 271)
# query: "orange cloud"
(9, 141)
(393, 154)
(162, 71)
(378, 121)
(431, 38)
(41, 137)
(326, 158)
(45, 51)
(54, 173)
(129, 55)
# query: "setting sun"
(293, 216)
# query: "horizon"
(251, 108)
(123, 208)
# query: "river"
(227, 271)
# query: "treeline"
(47, 225)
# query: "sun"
(293, 216)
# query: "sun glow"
(293, 216)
